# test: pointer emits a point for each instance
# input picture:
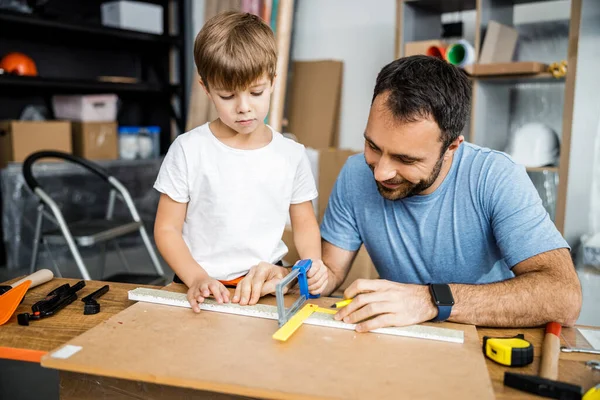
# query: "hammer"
(546, 384)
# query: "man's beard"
(408, 189)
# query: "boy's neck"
(260, 137)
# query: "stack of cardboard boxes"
(314, 109)
(85, 127)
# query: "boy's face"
(244, 110)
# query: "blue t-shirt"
(483, 219)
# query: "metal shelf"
(15, 24)
(56, 85)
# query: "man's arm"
(545, 288)
(338, 262)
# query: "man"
(456, 232)
(440, 211)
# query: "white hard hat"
(534, 145)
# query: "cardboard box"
(95, 140)
(133, 15)
(18, 139)
(314, 102)
(499, 44)
(326, 165)
(420, 47)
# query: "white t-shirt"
(238, 200)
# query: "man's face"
(406, 158)
(243, 110)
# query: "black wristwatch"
(443, 300)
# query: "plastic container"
(139, 142)
(89, 108)
(149, 142)
(128, 142)
(133, 15)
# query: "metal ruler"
(270, 312)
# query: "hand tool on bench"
(56, 300)
(11, 296)
(91, 305)
(511, 351)
(546, 383)
(578, 350)
(291, 319)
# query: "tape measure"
(593, 393)
(511, 351)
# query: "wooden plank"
(49, 333)
(512, 68)
(285, 18)
(541, 169)
(569, 106)
(237, 355)
(399, 37)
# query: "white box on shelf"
(133, 15)
(89, 108)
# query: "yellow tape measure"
(593, 393)
(511, 351)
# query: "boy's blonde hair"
(235, 49)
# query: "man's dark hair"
(422, 87)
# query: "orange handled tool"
(12, 295)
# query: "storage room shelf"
(511, 68)
(443, 6)
(55, 85)
(511, 72)
(446, 6)
(15, 23)
(542, 169)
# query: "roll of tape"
(461, 53)
(436, 51)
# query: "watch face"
(442, 296)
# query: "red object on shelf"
(19, 64)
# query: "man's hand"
(260, 280)
(317, 277)
(381, 303)
(203, 287)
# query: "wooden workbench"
(51, 333)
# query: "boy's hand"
(203, 287)
(260, 280)
(317, 277)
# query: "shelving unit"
(73, 51)
(504, 93)
(75, 54)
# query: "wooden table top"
(52, 332)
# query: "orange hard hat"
(18, 63)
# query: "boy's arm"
(168, 229)
(307, 238)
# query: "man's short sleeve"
(522, 227)
(339, 223)
(305, 188)
(172, 178)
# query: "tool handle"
(91, 298)
(550, 352)
(37, 278)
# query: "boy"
(227, 186)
